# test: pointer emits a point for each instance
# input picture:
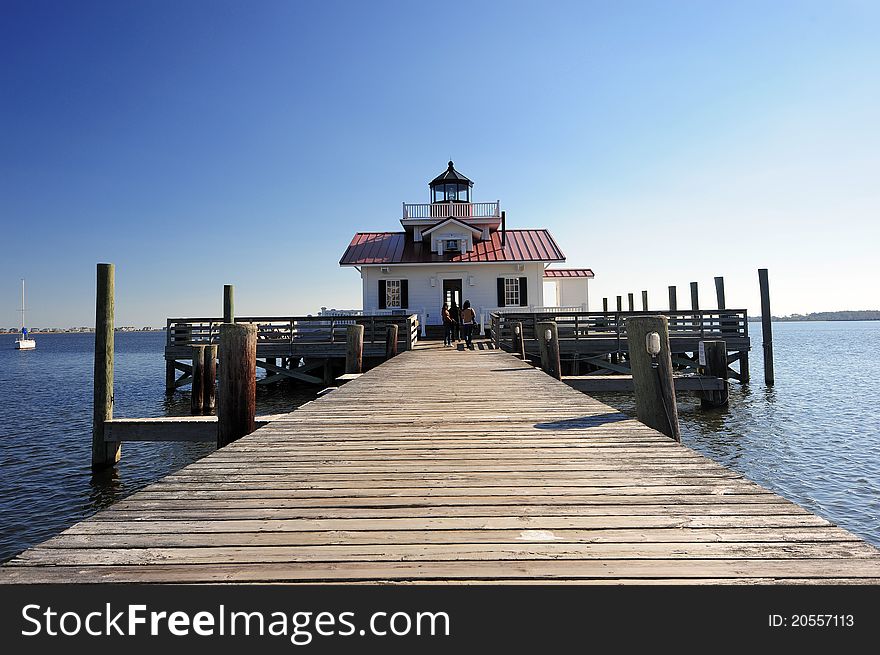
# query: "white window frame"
(392, 294)
(511, 292)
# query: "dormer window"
(453, 245)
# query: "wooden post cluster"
(654, 390)
(204, 378)
(715, 353)
(391, 341)
(104, 453)
(548, 340)
(519, 341)
(354, 351)
(238, 382)
(766, 327)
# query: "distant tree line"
(853, 315)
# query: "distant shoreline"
(78, 331)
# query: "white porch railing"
(486, 312)
(454, 209)
(377, 312)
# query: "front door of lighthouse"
(452, 291)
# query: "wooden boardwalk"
(449, 466)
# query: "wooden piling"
(604, 305)
(631, 302)
(209, 378)
(198, 379)
(390, 341)
(644, 301)
(654, 391)
(719, 292)
(228, 303)
(673, 298)
(104, 453)
(695, 297)
(766, 326)
(619, 303)
(170, 376)
(238, 382)
(354, 351)
(549, 348)
(715, 353)
(519, 342)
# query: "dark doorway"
(452, 291)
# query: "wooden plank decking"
(451, 466)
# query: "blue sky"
(199, 143)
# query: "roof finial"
(450, 163)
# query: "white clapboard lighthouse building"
(454, 249)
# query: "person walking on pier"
(448, 325)
(455, 314)
(468, 320)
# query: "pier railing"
(454, 209)
(296, 330)
(606, 332)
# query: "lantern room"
(450, 186)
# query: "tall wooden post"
(695, 297)
(766, 326)
(548, 340)
(519, 341)
(604, 305)
(209, 378)
(238, 382)
(715, 353)
(631, 302)
(644, 301)
(654, 390)
(104, 453)
(619, 303)
(197, 402)
(228, 303)
(673, 298)
(391, 341)
(719, 292)
(354, 351)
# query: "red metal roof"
(396, 248)
(568, 272)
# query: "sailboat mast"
(22, 304)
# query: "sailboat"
(24, 342)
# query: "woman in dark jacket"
(455, 313)
(448, 325)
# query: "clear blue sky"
(197, 143)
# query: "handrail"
(454, 209)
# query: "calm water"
(46, 483)
(814, 438)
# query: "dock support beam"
(198, 379)
(644, 301)
(619, 304)
(209, 378)
(631, 302)
(716, 365)
(228, 303)
(548, 340)
(390, 341)
(766, 327)
(354, 351)
(604, 305)
(238, 382)
(673, 298)
(652, 379)
(695, 297)
(104, 453)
